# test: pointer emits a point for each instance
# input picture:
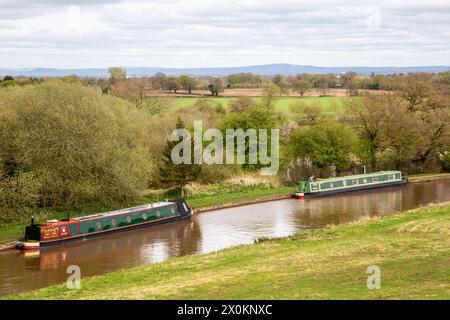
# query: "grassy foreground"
(411, 248)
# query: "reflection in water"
(207, 232)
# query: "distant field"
(258, 92)
(329, 105)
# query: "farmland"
(329, 105)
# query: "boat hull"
(356, 188)
(147, 224)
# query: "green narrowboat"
(323, 187)
(56, 232)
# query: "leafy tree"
(117, 73)
(173, 84)
(216, 86)
(243, 80)
(242, 104)
(69, 145)
(328, 145)
(279, 81)
(254, 118)
(311, 113)
(187, 83)
(302, 85)
(177, 175)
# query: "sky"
(210, 33)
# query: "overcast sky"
(210, 33)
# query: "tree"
(187, 83)
(415, 90)
(160, 79)
(241, 104)
(243, 80)
(177, 175)
(328, 145)
(322, 84)
(280, 82)
(302, 85)
(402, 137)
(144, 93)
(312, 112)
(215, 86)
(271, 93)
(72, 145)
(370, 117)
(117, 73)
(173, 84)
(254, 118)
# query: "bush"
(445, 161)
(65, 144)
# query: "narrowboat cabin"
(323, 187)
(55, 232)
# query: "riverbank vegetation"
(74, 145)
(412, 250)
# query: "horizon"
(225, 67)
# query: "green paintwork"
(117, 221)
(346, 182)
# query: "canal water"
(207, 232)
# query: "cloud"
(99, 33)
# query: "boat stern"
(29, 245)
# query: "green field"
(329, 105)
(412, 250)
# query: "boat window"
(391, 177)
(374, 179)
(397, 176)
(338, 184)
(355, 181)
(325, 185)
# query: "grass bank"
(411, 248)
(423, 177)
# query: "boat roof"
(356, 176)
(127, 210)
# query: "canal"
(207, 232)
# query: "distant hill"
(269, 69)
